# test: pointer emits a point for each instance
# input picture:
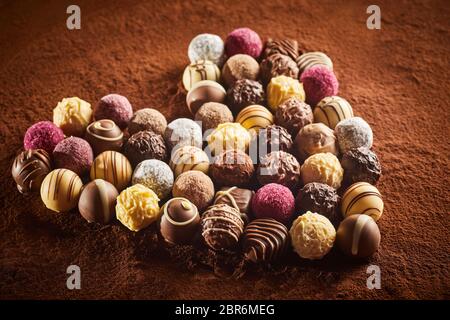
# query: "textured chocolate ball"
(279, 167)
(288, 47)
(195, 186)
(202, 92)
(116, 108)
(147, 119)
(323, 168)
(75, 154)
(97, 201)
(222, 227)
(272, 138)
(293, 114)
(361, 165)
(276, 65)
(183, 132)
(353, 133)
(155, 175)
(145, 145)
(232, 168)
(240, 66)
(30, 168)
(315, 138)
(211, 114)
(244, 93)
(104, 135)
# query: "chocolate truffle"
(255, 117)
(75, 154)
(116, 108)
(276, 65)
(279, 167)
(113, 167)
(319, 198)
(145, 145)
(315, 138)
(244, 93)
(361, 165)
(288, 47)
(362, 198)
(97, 201)
(72, 115)
(312, 236)
(202, 92)
(243, 40)
(323, 168)
(42, 135)
(228, 136)
(282, 88)
(156, 175)
(272, 138)
(358, 236)
(235, 197)
(180, 221)
(60, 190)
(207, 46)
(137, 207)
(319, 82)
(147, 119)
(331, 110)
(189, 158)
(265, 240)
(198, 71)
(29, 169)
(311, 59)
(232, 168)
(183, 132)
(211, 114)
(274, 201)
(195, 186)
(240, 66)
(104, 135)
(222, 227)
(353, 133)
(293, 114)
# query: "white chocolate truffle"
(156, 175)
(353, 133)
(183, 132)
(207, 46)
(322, 168)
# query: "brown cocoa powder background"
(396, 78)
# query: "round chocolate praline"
(202, 92)
(269, 139)
(244, 93)
(279, 167)
(293, 114)
(30, 168)
(97, 201)
(232, 167)
(277, 65)
(145, 145)
(104, 135)
(361, 165)
(288, 47)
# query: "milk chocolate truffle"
(244, 93)
(358, 236)
(147, 119)
(279, 167)
(323, 168)
(277, 65)
(235, 197)
(255, 117)
(331, 110)
(180, 221)
(240, 66)
(293, 114)
(113, 167)
(319, 198)
(189, 158)
(156, 175)
(222, 227)
(72, 115)
(228, 136)
(183, 132)
(29, 169)
(114, 107)
(145, 145)
(265, 240)
(232, 168)
(362, 198)
(315, 138)
(202, 92)
(272, 138)
(104, 135)
(353, 133)
(282, 88)
(211, 114)
(198, 71)
(288, 47)
(195, 186)
(361, 165)
(311, 59)
(97, 201)
(60, 190)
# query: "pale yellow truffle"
(312, 236)
(281, 88)
(72, 115)
(229, 135)
(323, 168)
(137, 207)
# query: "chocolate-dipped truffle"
(272, 138)
(222, 227)
(30, 168)
(293, 114)
(207, 46)
(331, 110)
(202, 92)
(361, 165)
(97, 201)
(72, 115)
(282, 88)
(255, 117)
(114, 107)
(198, 71)
(147, 119)
(189, 158)
(362, 198)
(265, 240)
(145, 145)
(179, 221)
(353, 133)
(235, 197)
(211, 114)
(195, 186)
(228, 136)
(279, 167)
(288, 47)
(104, 135)
(113, 167)
(156, 175)
(311, 59)
(358, 236)
(323, 168)
(232, 168)
(240, 66)
(315, 138)
(244, 93)
(183, 132)
(75, 154)
(276, 65)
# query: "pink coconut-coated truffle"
(43, 135)
(245, 41)
(116, 108)
(319, 82)
(74, 154)
(274, 201)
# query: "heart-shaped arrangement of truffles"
(271, 161)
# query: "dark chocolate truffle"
(265, 240)
(288, 47)
(97, 201)
(361, 165)
(222, 227)
(30, 168)
(104, 135)
(293, 114)
(211, 114)
(235, 197)
(269, 139)
(319, 198)
(145, 145)
(277, 65)
(232, 168)
(244, 93)
(279, 167)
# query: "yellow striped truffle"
(255, 117)
(113, 167)
(189, 158)
(362, 198)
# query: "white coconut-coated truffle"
(207, 46)
(353, 133)
(155, 175)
